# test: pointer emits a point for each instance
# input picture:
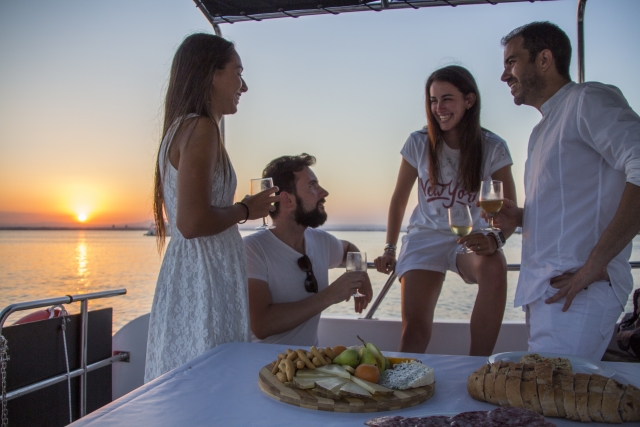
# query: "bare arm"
(268, 318)
(407, 176)
(623, 228)
(194, 153)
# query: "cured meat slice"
(517, 417)
(471, 419)
(434, 421)
(384, 421)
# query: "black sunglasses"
(310, 283)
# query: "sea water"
(40, 264)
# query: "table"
(220, 388)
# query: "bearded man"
(582, 197)
(288, 266)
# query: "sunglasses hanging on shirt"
(310, 283)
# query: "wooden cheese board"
(400, 399)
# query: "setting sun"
(82, 217)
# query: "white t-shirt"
(586, 146)
(271, 260)
(431, 211)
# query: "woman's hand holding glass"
(261, 202)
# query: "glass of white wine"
(491, 199)
(258, 185)
(461, 224)
(356, 261)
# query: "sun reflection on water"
(83, 264)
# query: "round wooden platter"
(400, 399)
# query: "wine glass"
(357, 261)
(461, 224)
(258, 185)
(491, 199)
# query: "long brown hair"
(469, 130)
(189, 93)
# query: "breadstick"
(302, 355)
(317, 354)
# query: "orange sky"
(81, 103)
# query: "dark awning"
(230, 11)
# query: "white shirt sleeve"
(411, 150)
(607, 123)
(336, 251)
(500, 157)
(256, 262)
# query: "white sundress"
(201, 296)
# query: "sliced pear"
(372, 387)
(335, 370)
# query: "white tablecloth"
(220, 388)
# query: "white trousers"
(584, 330)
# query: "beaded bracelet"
(246, 208)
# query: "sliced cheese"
(404, 376)
(354, 390)
(333, 369)
(313, 373)
(332, 385)
(304, 383)
(372, 388)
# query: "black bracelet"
(247, 209)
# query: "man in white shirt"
(288, 266)
(582, 204)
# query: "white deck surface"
(220, 388)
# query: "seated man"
(288, 266)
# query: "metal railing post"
(84, 329)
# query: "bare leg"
(490, 273)
(420, 292)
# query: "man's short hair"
(282, 172)
(538, 36)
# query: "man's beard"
(531, 87)
(313, 219)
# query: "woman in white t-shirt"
(449, 158)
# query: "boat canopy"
(230, 11)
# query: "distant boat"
(152, 230)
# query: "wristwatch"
(498, 236)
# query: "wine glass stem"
(491, 220)
(264, 220)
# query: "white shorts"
(584, 330)
(424, 249)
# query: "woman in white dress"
(450, 157)
(201, 294)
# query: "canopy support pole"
(582, 4)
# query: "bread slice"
(544, 379)
(581, 387)
(475, 383)
(630, 404)
(569, 397)
(529, 389)
(596, 387)
(489, 388)
(557, 393)
(512, 386)
(611, 396)
(500, 385)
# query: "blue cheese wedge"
(404, 376)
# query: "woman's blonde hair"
(188, 94)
